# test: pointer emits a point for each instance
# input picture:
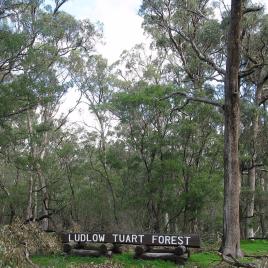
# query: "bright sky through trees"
(121, 23)
(121, 31)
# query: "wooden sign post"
(191, 240)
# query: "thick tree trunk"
(232, 183)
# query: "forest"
(176, 141)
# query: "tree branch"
(263, 99)
(18, 111)
(252, 9)
(196, 99)
(58, 5)
(198, 53)
(250, 70)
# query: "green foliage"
(210, 32)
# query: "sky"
(121, 30)
(121, 23)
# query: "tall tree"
(232, 180)
(176, 25)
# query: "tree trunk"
(31, 206)
(43, 184)
(42, 181)
(35, 209)
(45, 201)
(29, 215)
(250, 201)
(232, 183)
(263, 222)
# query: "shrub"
(18, 241)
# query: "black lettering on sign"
(191, 240)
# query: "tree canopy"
(176, 140)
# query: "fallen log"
(139, 250)
(163, 256)
(117, 248)
(66, 247)
(89, 246)
(180, 250)
(177, 250)
(109, 254)
(103, 248)
(80, 245)
(85, 253)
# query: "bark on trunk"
(250, 205)
(263, 222)
(45, 207)
(231, 228)
(30, 213)
(30, 205)
(35, 209)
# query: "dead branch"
(27, 256)
(252, 9)
(234, 262)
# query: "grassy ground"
(198, 260)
